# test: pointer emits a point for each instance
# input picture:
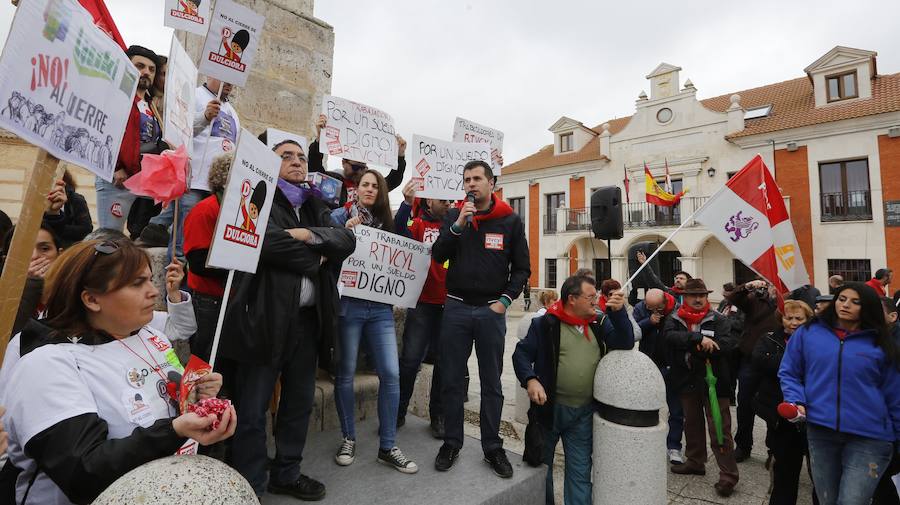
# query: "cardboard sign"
(385, 267)
(231, 43)
(65, 86)
(188, 15)
(274, 136)
(358, 132)
(245, 207)
(179, 117)
(473, 133)
(438, 166)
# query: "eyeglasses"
(591, 298)
(292, 156)
(105, 248)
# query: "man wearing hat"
(699, 336)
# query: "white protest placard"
(385, 267)
(188, 15)
(358, 132)
(473, 133)
(65, 86)
(438, 166)
(231, 43)
(274, 136)
(246, 204)
(181, 76)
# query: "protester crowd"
(820, 371)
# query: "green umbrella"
(714, 403)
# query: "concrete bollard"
(180, 479)
(629, 463)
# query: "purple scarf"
(298, 194)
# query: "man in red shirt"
(883, 277)
(421, 220)
(208, 284)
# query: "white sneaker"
(675, 457)
(347, 453)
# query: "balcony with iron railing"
(634, 215)
(846, 206)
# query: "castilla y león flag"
(749, 217)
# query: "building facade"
(831, 139)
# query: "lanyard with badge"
(171, 358)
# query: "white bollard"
(180, 479)
(629, 457)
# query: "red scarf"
(498, 209)
(677, 290)
(670, 303)
(691, 315)
(557, 310)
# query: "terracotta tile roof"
(545, 158)
(793, 106)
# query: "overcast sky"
(518, 65)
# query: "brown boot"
(724, 488)
(686, 469)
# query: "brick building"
(831, 137)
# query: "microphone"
(470, 197)
(790, 412)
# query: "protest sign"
(473, 133)
(438, 166)
(188, 15)
(274, 136)
(231, 43)
(65, 85)
(358, 132)
(385, 267)
(246, 204)
(181, 77)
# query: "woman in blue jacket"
(841, 372)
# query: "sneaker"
(396, 459)
(437, 427)
(305, 488)
(446, 458)
(741, 454)
(675, 457)
(347, 453)
(499, 463)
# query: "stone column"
(692, 265)
(291, 72)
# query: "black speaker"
(642, 281)
(606, 213)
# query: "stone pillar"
(292, 69)
(629, 433)
(692, 265)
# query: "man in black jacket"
(275, 321)
(556, 363)
(488, 253)
(702, 337)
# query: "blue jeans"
(421, 332)
(576, 428)
(375, 322)
(676, 416)
(113, 204)
(167, 216)
(846, 468)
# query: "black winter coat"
(262, 317)
(688, 372)
(74, 222)
(764, 367)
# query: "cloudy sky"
(518, 65)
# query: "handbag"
(533, 454)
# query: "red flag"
(627, 185)
(103, 19)
(749, 217)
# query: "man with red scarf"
(556, 362)
(485, 243)
(651, 314)
(699, 335)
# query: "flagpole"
(218, 334)
(668, 239)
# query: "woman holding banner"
(89, 399)
(373, 321)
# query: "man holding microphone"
(484, 241)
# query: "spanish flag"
(657, 195)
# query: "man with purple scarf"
(278, 322)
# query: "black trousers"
(464, 325)
(787, 442)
